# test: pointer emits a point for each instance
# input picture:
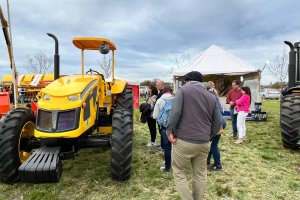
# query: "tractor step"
(43, 166)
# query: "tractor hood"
(67, 92)
(68, 85)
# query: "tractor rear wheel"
(15, 130)
(125, 99)
(121, 145)
(290, 121)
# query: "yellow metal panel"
(68, 134)
(91, 43)
(28, 77)
(105, 129)
(48, 78)
(7, 78)
(58, 103)
(118, 86)
(65, 105)
(26, 80)
(69, 85)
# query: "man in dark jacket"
(194, 120)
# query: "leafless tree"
(39, 63)
(105, 65)
(279, 67)
(179, 60)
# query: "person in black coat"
(147, 109)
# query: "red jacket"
(233, 95)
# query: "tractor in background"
(290, 101)
(73, 112)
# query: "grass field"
(259, 169)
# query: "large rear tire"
(290, 121)
(121, 145)
(125, 99)
(121, 138)
(15, 128)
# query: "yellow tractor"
(73, 112)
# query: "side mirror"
(104, 48)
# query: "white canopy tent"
(222, 67)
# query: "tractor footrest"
(43, 166)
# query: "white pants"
(241, 123)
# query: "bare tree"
(279, 67)
(179, 60)
(39, 63)
(105, 65)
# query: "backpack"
(163, 115)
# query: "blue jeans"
(233, 120)
(168, 147)
(214, 149)
(162, 145)
(21, 99)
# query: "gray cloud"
(148, 32)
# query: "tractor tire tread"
(9, 138)
(290, 121)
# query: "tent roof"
(216, 60)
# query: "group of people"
(239, 99)
(157, 96)
(195, 124)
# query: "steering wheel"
(90, 71)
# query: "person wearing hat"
(194, 120)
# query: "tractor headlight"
(47, 97)
(73, 97)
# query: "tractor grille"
(58, 121)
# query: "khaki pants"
(184, 155)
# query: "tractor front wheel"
(290, 121)
(125, 99)
(121, 145)
(16, 129)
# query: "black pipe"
(56, 57)
(297, 46)
(292, 64)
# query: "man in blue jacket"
(194, 120)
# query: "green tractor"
(73, 112)
(290, 101)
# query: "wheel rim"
(27, 131)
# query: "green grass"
(259, 169)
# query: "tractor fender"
(118, 86)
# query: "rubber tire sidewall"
(121, 145)
(10, 131)
(289, 120)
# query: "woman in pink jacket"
(243, 108)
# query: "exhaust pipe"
(56, 57)
(292, 64)
(297, 46)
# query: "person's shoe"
(163, 169)
(208, 165)
(239, 141)
(151, 144)
(216, 168)
(159, 148)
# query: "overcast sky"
(148, 33)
